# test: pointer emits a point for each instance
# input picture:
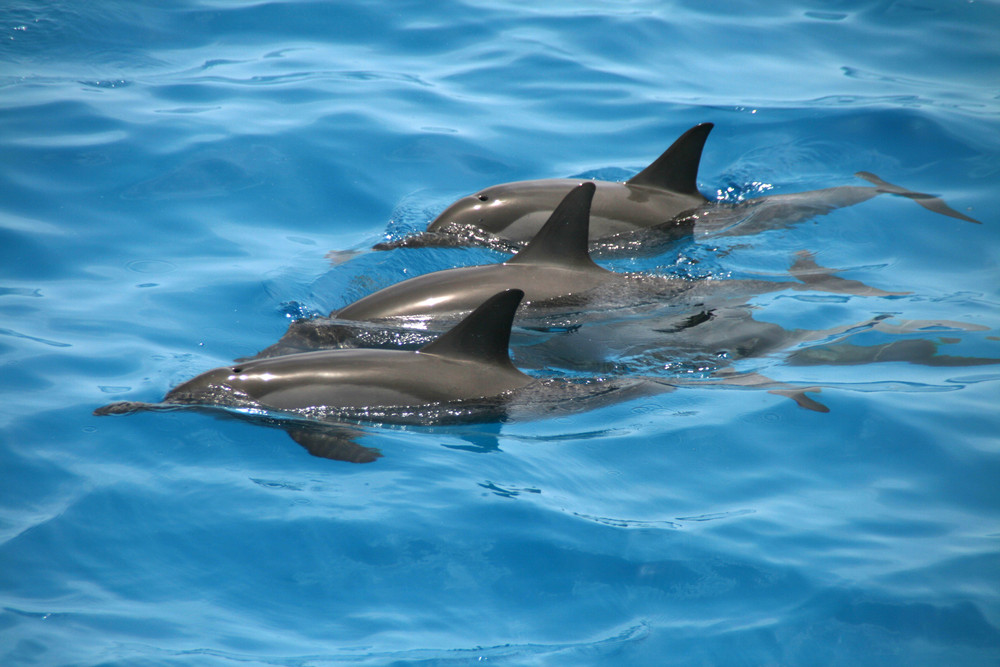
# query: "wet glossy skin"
(471, 360)
(458, 290)
(516, 211)
(353, 379)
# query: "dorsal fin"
(484, 334)
(677, 169)
(564, 238)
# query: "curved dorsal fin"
(484, 334)
(677, 169)
(564, 238)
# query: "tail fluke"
(930, 202)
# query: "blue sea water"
(179, 180)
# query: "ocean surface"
(180, 180)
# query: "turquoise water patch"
(182, 181)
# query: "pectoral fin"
(758, 381)
(334, 443)
(800, 398)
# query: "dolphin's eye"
(482, 198)
(237, 369)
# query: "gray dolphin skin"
(470, 362)
(658, 205)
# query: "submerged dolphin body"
(658, 205)
(714, 339)
(468, 364)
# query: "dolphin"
(554, 269)
(563, 288)
(464, 376)
(657, 206)
(556, 264)
(656, 197)
(509, 215)
(469, 364)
